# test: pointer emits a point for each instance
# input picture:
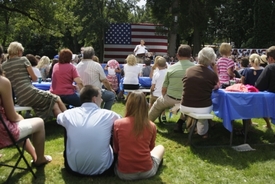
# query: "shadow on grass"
(216, 149)
(53, 130)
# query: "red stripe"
(150, 43)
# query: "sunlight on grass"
(201, 163)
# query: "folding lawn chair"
(19, 149)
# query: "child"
(157, 82)
(134, 141)
(113, 68)
(225, 65)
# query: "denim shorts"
(140, 175)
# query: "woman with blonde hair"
(134, 141)
(19, 71)
(44, 67)
(250, 76)
(132, 72)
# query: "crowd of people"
(99, 141)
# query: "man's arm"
(107, 85)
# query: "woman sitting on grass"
(134, 141)
(20, 127)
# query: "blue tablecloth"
(239, 105)
(43, 85)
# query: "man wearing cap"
(266, 81)
(92, 73)
(172, 86)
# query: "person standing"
(140, 51)
(92, 73)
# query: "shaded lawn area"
(208, 161)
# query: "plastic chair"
(20, 151)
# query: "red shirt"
(62, 79)
(133, 153)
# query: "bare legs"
(158, 152)
(58, 107)
(37, 149)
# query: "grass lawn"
(208, 161)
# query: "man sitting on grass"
(88, 132)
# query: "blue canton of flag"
(118, 34)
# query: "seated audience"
(157, 82)
(132, 72)
(263, 61)
(134, 141)
(42, 102)
(198, 84)
(244, 65)
(20, 127)
(92, 73)
(34, 62)
(250, 76)
(44, 67)
(146, 70)
(88, 132)
(172, 86)
(266, 81)
(54, 61)
(63, 76)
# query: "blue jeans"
(72, 99)
(108, 98)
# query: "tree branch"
(2, 6)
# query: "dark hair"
(88, 92)
(65, 56)
(37, 57)
(51, 69)
(147, 61)
(244, 62)
(33, 60)
(184, 51)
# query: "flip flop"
(48, 160)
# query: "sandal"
(48, 160)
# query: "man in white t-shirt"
(140, 51)
(88, 132)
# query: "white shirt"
(131, 74)
(158, 79)
(140, 49)
(36, 71)
(90, 72)
(89, 128)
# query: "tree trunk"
(172, 44)
(196, 40)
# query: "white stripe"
(143, 27)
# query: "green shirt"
(173, 78)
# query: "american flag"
(121, 40)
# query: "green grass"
(201, 163)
